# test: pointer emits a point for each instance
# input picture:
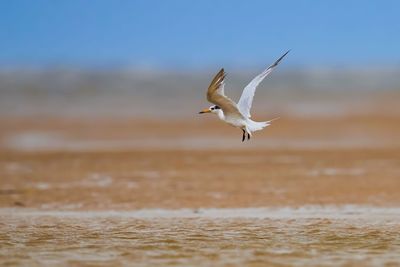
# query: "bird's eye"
(212, 108)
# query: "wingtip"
(287, 52)
(223, 73)
(279, 59)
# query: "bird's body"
(241, 122)
(231, 120)
(237, 115)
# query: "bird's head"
(213, 109)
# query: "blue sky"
(205, 33)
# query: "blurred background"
(131, 65)
(105, 161)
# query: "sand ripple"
(112, 239)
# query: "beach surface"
(308, 191)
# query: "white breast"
(232, 120)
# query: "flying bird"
(238, 115)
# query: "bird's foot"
(244, 135)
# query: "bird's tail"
(257, 126)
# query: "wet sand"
(104, 172)
(305, 238)
(195, 179)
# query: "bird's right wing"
(246, 99)
(216, 95)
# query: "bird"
(237, 114)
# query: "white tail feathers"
(253, 126)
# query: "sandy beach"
(99, 192)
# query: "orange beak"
(205, 111)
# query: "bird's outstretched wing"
(246, 99)
(216, 95)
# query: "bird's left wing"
(246, 99)
(216, 95)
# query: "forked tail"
(253, 126)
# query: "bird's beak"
(205, 111)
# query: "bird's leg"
(244, 135)
(248, 136)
